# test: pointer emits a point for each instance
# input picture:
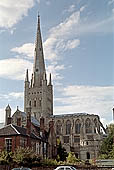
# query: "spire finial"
(38, 20)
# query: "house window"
(8, 142)
(68, 127)
(88, 126)
(77, 126)
(66, 139)
(37, 148)
(58, 127)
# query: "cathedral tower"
(38, 94)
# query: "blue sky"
(78, 40)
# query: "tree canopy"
(107, 147)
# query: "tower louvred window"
(34, 103)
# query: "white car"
(65, 168)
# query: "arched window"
(88, 126)
(77, 155)
(77, 126)
(58, 127)
(34, 103)
(68, 127)
(29, 103)
(40, 103)
(88, 155)
(95, 126)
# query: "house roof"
(11, 130)
(72, 114)
(33, 119)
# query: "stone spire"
(39, 65)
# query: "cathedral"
(81, 133)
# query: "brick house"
(32, 135)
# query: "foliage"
(72, 158)
(61, 153)
(49, 162)
(6, 157)
(25, 156)
(22, 156)
(111, 153)
(107, 149)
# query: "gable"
(8, 130)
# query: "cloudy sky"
(78, 40)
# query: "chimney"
(51, 124)
(9, 120)
(19, 121)
(28, 125)
(8, 115)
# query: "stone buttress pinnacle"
(27, 77)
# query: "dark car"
(21, 168)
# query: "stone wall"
(6, 167)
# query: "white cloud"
(59, 35)
(16, 95)
(72, 44)
(14, 68)
(26, 49)
(102, 26)
(54, 70)
(12, 12)
(70, 9)
(2, 115)
(82, 8)
(38, 1)
(110, 2)
(12, 95)
(89, 99)
(48, 2)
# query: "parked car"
(65, 168)
(22, 168)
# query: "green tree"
(111, 153)
(72, 158)
(107, 145)
(25, 156)
(6, 157)
(61, 153)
